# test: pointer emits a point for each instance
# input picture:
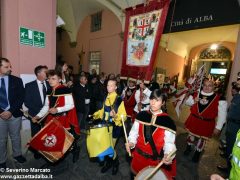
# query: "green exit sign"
(26, 36)
(32, 37)
(39, 39)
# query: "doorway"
(217, 60)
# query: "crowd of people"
(78, 102)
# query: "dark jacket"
(80, 93)
(15, 95)
(234, 109)
(32, 98)
(102, 91)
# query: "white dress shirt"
(69, 104)
(40, 88)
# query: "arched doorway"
(217, 60)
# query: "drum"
(159, 175)
(52, 141)
(99, 139)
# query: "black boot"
(101, 163)
(75, 156)
(196, 156)
(115, 166)
(75, 151)
(188, 150)
(108, 165)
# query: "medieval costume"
(153, 136)
(112, 102)
(61, 99)
(201, 121)
(166, 85)
(142, 99)
(129, 100)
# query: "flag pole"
(125, 134)
(200, 87)
(200, 83)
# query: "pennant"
(192, 85)
(199, 78)
(182, 94)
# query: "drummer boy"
(112, 111)
(59, 105)
(153, 137)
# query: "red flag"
(181, 95)
(192, 85)
(143, 30)
(50, 138)
(198, 79)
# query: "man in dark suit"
(35, 94)
(82, 99)
(11, 100)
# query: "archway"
(217, 60)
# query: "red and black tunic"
(57, 99)
(129, 100)
(201, 121)
(143, 155)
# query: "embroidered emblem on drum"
(50, 141)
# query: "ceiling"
(74, 11)
(127, 3)
(182, 42)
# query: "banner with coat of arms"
(143, 29)
(141, 37)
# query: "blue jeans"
(12, 127)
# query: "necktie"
(3, 95)
(44, 91)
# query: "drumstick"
(125, 133)
(46, 114)
(25, 113)
(159, 165)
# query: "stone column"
(235, 67)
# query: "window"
(94, 62)
(96, 22)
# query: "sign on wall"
(31, 37)
(186, 15)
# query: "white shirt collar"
(131, 87)
(207, 94)
(40, 82)
(156, 113)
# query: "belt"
(146, 155)
(59, 114)
(145, 105)
(234, 120)
(202, 118)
